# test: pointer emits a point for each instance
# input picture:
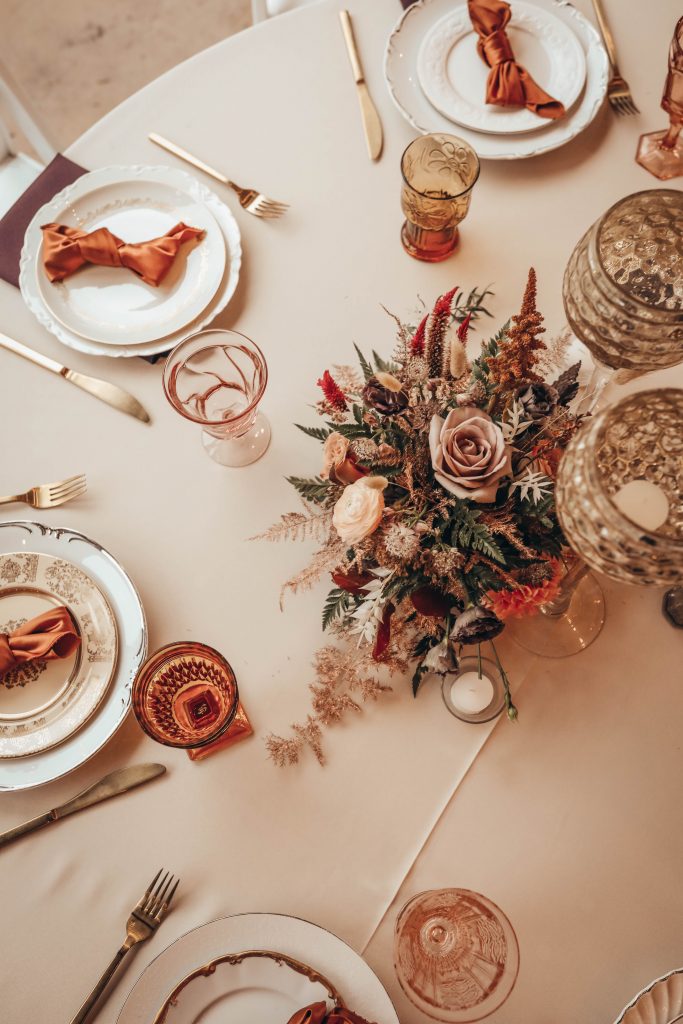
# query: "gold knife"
(372, 126)
(112, 394)
(111, 785)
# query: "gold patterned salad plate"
(42, 703)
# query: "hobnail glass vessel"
(639, 438)
(623, 287)
(455, 954)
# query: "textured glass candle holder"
(661, 153)
(638, 439)
(217, 379)
(623, 287)
(455, 954)
(186, 696)
(439, 172)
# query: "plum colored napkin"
(509, 84)
(44, 637)
(59, 173)
(66, 249)
(317, 1013)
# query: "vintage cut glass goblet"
(217, 379)
(620, 504)
(623, 288)
(186, 696)
(456, 955)
(439, 172)
(661, 153)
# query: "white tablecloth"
(571, 819)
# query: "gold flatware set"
(49, 495)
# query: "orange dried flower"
(525, 600)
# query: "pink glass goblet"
(661, 153)
(217, 379)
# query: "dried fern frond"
(311, 523)
(324, 560)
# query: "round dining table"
(569, 819)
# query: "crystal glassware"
(439, 172)
(661, 153)
(217, 379)
(623, 288)
(455, 954)
(186, 696)
(620, 504)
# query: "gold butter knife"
(112, 394)
(372, 126)
(111, 785)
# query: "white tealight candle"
(471, 693)
(644, 503)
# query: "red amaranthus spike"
(436, 329)
(332, 392)
(417, 345)
(464, 328)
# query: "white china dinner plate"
(121, 596)
(306, 942)
(400, 71)
(661, 1002)
(113, 305)
(44, 702)
(453, 76)
(30, 262)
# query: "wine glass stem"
(670, 139)
(599, 379)
(569, 584)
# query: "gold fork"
(49, 495)
(618, 91)
(144, 920)
(252, 201)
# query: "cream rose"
(359, 510)
(335, 450)
(469, 454)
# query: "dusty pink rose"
(358, 511)
(469, 454)
(339, 464)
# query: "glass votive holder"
(217, 379)
(475, 692)
(186, 696)
(439, 172)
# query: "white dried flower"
(401, 542)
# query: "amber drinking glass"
(456, 955)
(439, 172)
(186, 696)
(217, 379)
(661, 153)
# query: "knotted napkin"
(508, 84)
(65, 249)
(317, 1013)
(49, 635)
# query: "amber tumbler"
(439, 172)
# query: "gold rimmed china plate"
(42, 703)
(256, 984)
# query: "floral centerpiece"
(434, 505)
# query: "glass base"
(560, 636)
(429, 246)
(239, 729)
(239, 451)
(664, 163)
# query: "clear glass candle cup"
(439, 172)
(217, 379)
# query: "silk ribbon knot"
(45, 637)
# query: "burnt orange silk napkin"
(49, 635)
(317, 1013)
(66, 249)
(509, 84)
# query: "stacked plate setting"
(110, 311)
(54, 715)
(438, 80)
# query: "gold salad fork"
(252, 201)
(618, 91)
(144, 920)
(49, 495)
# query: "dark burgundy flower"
(475, 625)
(538, 400)
(387, 400)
